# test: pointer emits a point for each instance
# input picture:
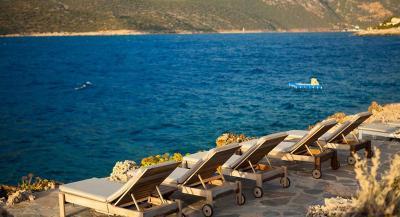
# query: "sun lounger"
(134, 198)
(203, 180)
(343, 137)
(306, 150)
(249, 165)
(380, 131)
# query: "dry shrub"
(152, 160)
(379, 194)
(228, 138)
(35, 183)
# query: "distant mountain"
(27, 16)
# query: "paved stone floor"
(292, 201)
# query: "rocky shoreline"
(378, 32)
(32, 188)
(123, 32)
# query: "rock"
(384, 114)
(19, 196)
(3, 192)
(121, 169)
(375, 107)
(3, 212)
(341, 190)
(31, 197)
(336, 206)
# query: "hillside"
(28, 16)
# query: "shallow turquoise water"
(168, 93)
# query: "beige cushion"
(245, 146)
(231, 162)
(95, 188)
(283, 147)
(194, 158)
(175, 176)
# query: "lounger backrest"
(210, 163)
(264, 145)
(349, 126)
(144, 183)
(312, 136)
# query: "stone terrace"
(293, 201)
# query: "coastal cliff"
(68, 17)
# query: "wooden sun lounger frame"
(307, 155)
(260, 172)
(325, 154)
(146, 207)
(353, 147)
(340, 142)
(215, 185)
(158, 206)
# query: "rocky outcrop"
(19, 196)
(121, 169)
(228, 138)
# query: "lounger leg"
(368, 150)
(61, 203)
(210, 199)
(259, 181)
(316, 173)
(180, 213)
(334, 161)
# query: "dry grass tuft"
(379, 193)
(378, 196)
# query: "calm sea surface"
(173, 93)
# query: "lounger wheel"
(207, 210)
(285, 182)
(351, 160)
(316, 174)
(258, 192)
(240, 199)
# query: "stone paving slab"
(277, 201)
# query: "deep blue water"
(168, 93)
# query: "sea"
(70, 107)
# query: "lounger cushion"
(192, 159)
(98, 189)
(284, 146)
(184, 177)
(173, 178)
(245, 146)
(232, 161)
(296, 134)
